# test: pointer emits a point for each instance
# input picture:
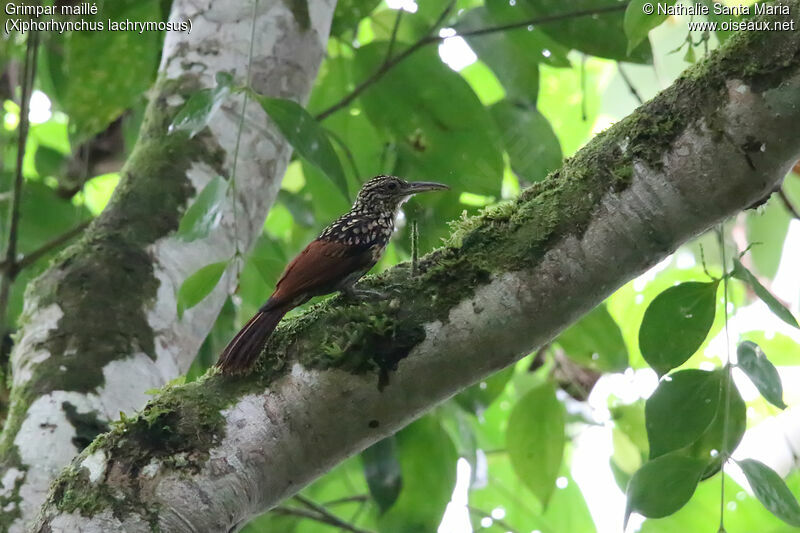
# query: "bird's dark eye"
(392, 185)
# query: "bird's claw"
(363, 294)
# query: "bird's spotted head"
(389, 192)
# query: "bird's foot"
(362, 294)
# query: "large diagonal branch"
(206, 456)
(100, 326)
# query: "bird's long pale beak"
(415, 187)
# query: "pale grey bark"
(298, 425)
(38, 440)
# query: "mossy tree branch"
(208, 455)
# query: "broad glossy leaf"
(596, 341)
(205, 213)
(99, 74)
(771, 491)
(663, 485)
(477, 398)
(676, 323)
(744, 513)
(761, 372)
(306, 136)
(349, 13)
(783, 350)
(300, 207)
(535, 440)
(428, 463)
(201, 106)
(741, 273)
(599, 35)
(681, 409)
(531, 40)
(728, 425)
(382, 472)
(49, 162)
(442, 131)
(532, 146)
(516, 67)
(638, 23)
(199, 285)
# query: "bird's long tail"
(245, 347)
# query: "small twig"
(29, 259)
(312, 515)
(358, 498)
(788, 203)
(327, 516)
(430, 39)
(629, 83)
(483, 514)
(584, 112)
(414, 247)
(393, 38)
(10, 271)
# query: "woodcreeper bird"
(334, 261)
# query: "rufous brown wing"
(318, 269)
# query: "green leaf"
(638, 24)
(477, 398)
(595, 341)
(199, 285)
(599, 35)
(442, 131)
(97, 75)
(306, 136)
(201, 106)
(771, 491)
(535, 440)
(428, 463)
(729, 424)
(676, 323)
(349, 13)
(515, 65)
(761, 372)
(534, 44)
(663, 485)
(681, 409)
(205, 213)
(49, 162)
(382, 472)
(301, 208)
(532, 146)
(741, 273)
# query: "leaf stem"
(238, 251)
(724, 452)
